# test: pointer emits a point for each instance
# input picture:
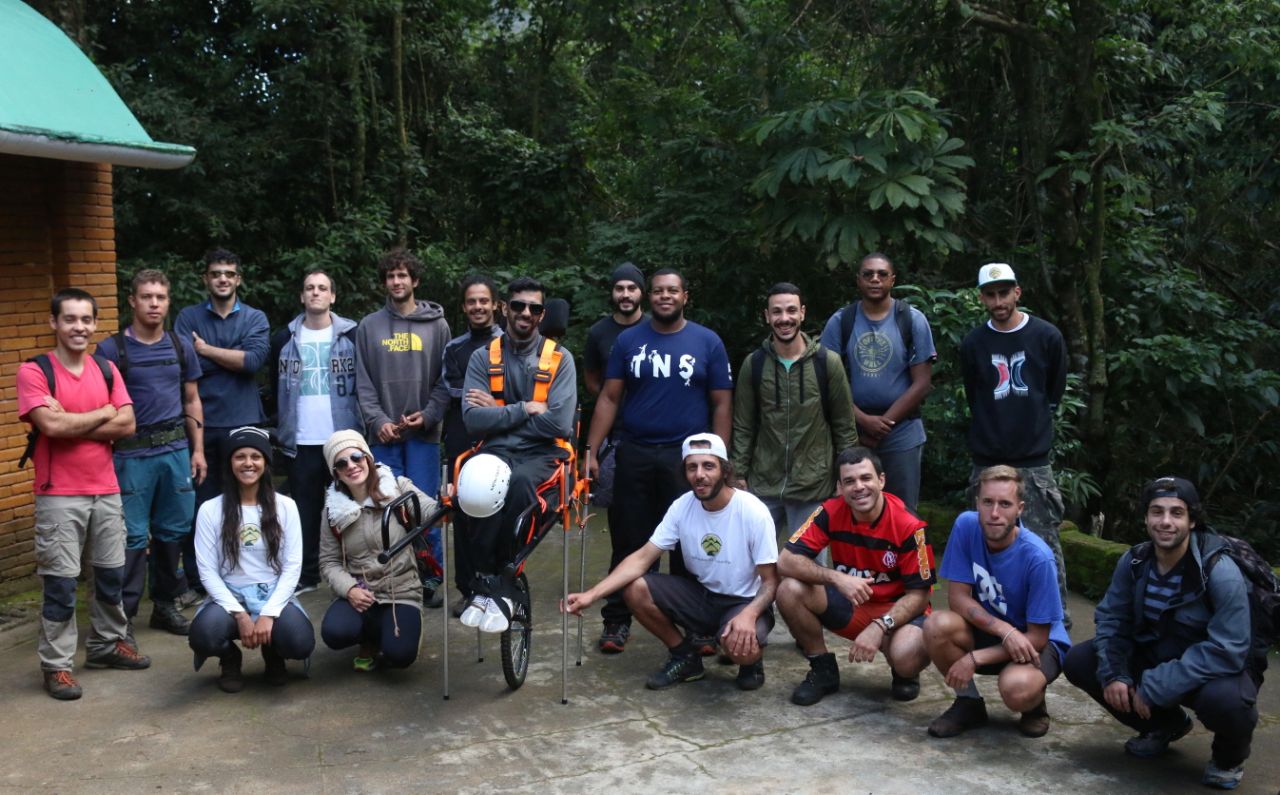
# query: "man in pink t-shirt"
(77, 496)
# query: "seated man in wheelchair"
(519, 398)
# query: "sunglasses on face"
(519, 306)
(354, 458)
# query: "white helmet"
(482, 485)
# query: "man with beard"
(666, 380)
(399, 357)
(791, 415)
(524, 417)
(726, 538)
(887, 347)
(1005, 616)
(479, 304)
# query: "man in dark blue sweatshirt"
(1015, 371)
(232, 340)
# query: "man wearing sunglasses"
(518, 428)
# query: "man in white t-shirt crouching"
(726, 538)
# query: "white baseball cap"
(716, 446)
(995, 272)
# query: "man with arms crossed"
(877, 593)
(1005, 617)
(727, 539)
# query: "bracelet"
(1007, 634)
(975, 660)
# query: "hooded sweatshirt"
(342, 380)
(398, 362)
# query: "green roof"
(55, 103)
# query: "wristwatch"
(886, 621)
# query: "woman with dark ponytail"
(249, 551)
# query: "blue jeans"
(902, 474)
(418, 461)
(396, 630)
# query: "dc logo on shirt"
(1009, 375)
(987, 589)
(660, 364)
(711, 544)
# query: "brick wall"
(56, 230)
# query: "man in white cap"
(1015, 371)
(726, 537)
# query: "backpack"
(901, 317)
(46, 366)
(1264, 594)
(819, 369)
(123, 355)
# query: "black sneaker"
(231, 679)
(433, 598)
(823, 679)
(460, 605)
(675, 670)
(62, 685)
(1154, 743)
(751, 677)
(277, 674)
(1035, 722)
(964, 713)
(904, 688)
(121, 656)
(165, 616)
(614, 638)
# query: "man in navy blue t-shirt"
(666, 379)
(1004, 616)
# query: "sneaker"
(277, 673)
(675, 670)
(475, 610)
(1218, 778)
(165, 616)
(122, 656)
(304, 587)
(964, 713)
(460, 606)
(231, 680)
(364, 664)
(432, 597)
(189, 598)
(1154, 743)
(704, 645)
(1035, 722)
(904, 688)
(614, 638)
(62, 685)
(823, 679)
(751, 677)
(494, 619)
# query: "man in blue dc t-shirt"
(667, 379)
(1005, 615)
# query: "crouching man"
(877, 594)
(1006, 612)
(1174, 630)
(727, 540)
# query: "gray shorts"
(65, 523)
(699, 611)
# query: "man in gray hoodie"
(399, 359)
(520, 423)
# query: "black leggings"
(213, 630)
(1228, 707)
(344, 627)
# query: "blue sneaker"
(1218, 778)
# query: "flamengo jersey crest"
(660, 364)
(1009, 375)
(987, 589)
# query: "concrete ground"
(171, 730)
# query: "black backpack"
(46, 367)
(1264, 594)
(819, 369)
(901, 317)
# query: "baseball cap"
(994, 272)
(716, 449)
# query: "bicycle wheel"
(516, 640)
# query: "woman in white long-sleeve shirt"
(249, 551)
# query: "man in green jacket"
(792, 414)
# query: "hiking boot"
(1154, 743)
(614, 638)
(305, 587)
(904, 688)
(277, 674)
(675, 670)
(62, 685)
(122, 656)
(1219, 778)
(964, 713)
(704, 645)
(188, 598)
(751, 677)
(823, 679)
(167, 617)
(231, 680)
(1035, 722)
(432, 597)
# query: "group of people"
(153, 450)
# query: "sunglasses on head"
(520, 306)
(354, 458)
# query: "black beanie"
(248, 436)
(627, 272)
